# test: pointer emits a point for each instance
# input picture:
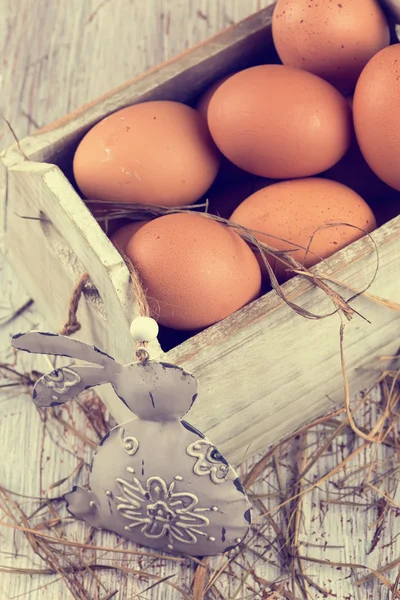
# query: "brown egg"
(123, 235)
(292, 211)
(157, 153)
(194, 270)
(332, 39)
(279, 122)
(376, 110)
(204, 100)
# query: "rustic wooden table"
(55, 57)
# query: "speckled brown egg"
(278, 122)
(333, 39)
(376, 110)
(194, 270)
(292, 211)
(156, 153)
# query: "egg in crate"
(194, 270)
(295, 216)
(376, 110)
(333, 40)
(154, 153)
(278, 122)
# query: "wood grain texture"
(181, 78)
(55, 57)
(58, 57)
(109, 278)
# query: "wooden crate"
(264, 371)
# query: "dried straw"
(142, 304)
(281, 525)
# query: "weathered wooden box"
(263, 371)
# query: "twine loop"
(73, 325)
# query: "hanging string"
(141, 352)
(72, 325)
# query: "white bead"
(144, 329)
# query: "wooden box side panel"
(265, 370)
(55, 245)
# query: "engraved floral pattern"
(209, 461)
(61, 380)
(158, 510)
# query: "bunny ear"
(39, 342)
(66, 383)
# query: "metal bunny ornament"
(155, 480)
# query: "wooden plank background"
(55, 56)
